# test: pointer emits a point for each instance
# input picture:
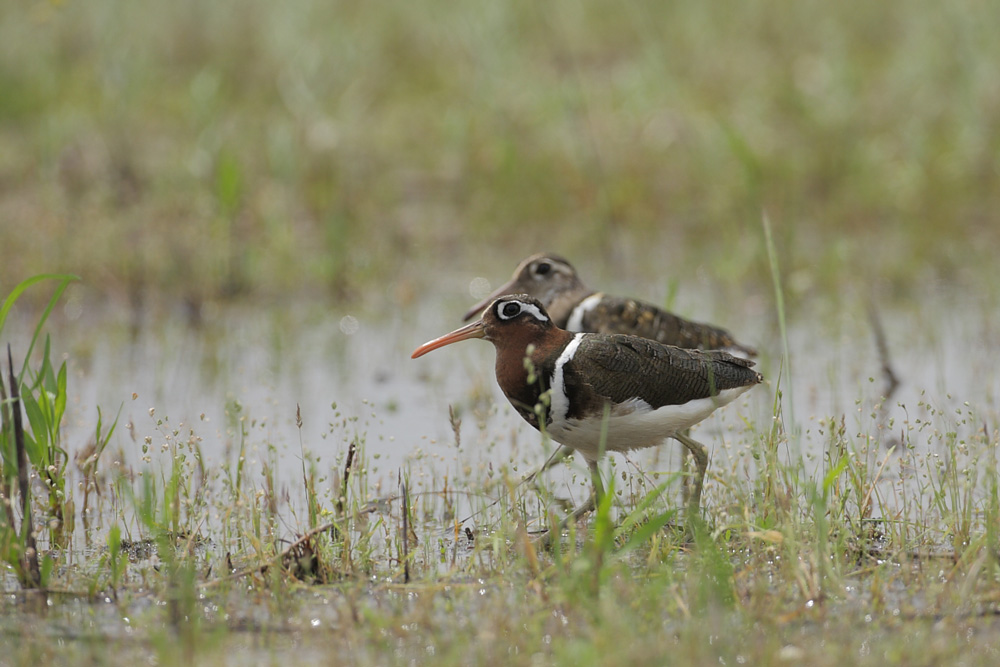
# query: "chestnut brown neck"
(523, 376)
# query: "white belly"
(634, 425)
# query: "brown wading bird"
(595, 392)
(575, 307)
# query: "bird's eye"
(510, 310)
(543, 268)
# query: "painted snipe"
(575, 307)
(581, 387)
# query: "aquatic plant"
(43, 398)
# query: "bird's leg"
(556, 457)
(686, 459)
(595, 479)
(701, 461)
(596, 495)
(586, 506)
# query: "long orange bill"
(503, 290)
(474, 330)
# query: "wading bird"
(575, 307)
(596, 392)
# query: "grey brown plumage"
(575, 307)
(637, 318)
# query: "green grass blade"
(37, 441)
(65, 281)
(102, 440)
(60, 402)
(8, 303)
(636, 514)
(779, 299)
(833, 474)
(46, 377)
(647, 530)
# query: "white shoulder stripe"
(575, 321)
(559, 398)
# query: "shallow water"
(251, 368)
(350, 376)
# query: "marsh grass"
(41, 394)
(873, 533)
(783, 564)
(208, 153)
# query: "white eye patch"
(509, 309)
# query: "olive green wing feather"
(620, 368)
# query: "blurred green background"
(353, 150)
